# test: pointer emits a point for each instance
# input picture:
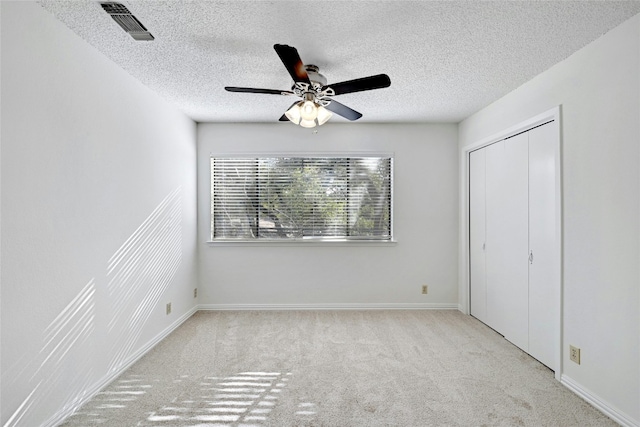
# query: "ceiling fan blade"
(254, 90)
(343, 110)
(365, 83)
(292, 62)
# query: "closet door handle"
(530, 257)
(484, 246)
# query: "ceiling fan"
(317, 105)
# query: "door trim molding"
(552, 115)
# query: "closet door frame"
(553, 117)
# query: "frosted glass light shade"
(323, 115)
(307, 123)
(308, 110)
(293, 113)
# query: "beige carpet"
(336, 368)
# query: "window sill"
(303, 242)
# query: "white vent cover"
(127, 21)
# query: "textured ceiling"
(446, 60)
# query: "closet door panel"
(517, 220)
(544, 266)
(496, 297)
(477, 234)
(507, 213)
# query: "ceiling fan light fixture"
(307, 123)
(323, 115)
(293, 113)
(308, 110)
(308, 114)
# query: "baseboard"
(604, 407)
(88, 394)
(336, 306)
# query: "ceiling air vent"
(127, 21)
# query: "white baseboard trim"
(88, 394)
(604, 407)
(336, 306)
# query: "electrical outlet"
(195, 292)
(168, 308)
(574, 354)
(425, 289)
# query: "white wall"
(425, 224)
(599, 91)
(91, 160)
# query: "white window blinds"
(284, 198)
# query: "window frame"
(338, 241)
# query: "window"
(314, 198)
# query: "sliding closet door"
(514, 240)
(544, 262)
(477, 235)
(507, 222)
(495, 295)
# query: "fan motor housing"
(314, 75)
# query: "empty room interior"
(330, 213)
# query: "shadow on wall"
(137, 276)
